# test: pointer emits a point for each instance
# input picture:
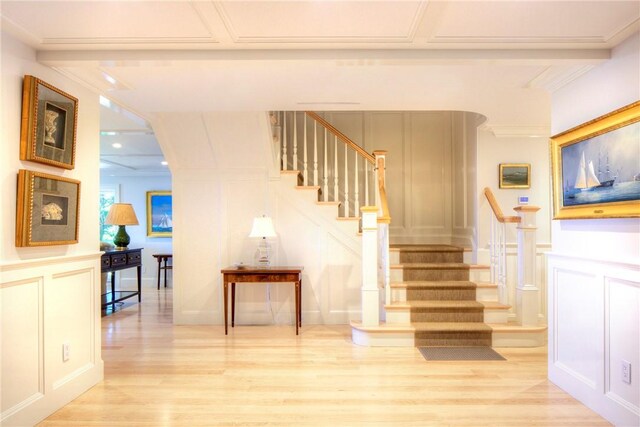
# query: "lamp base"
(262, 254)
(121, 239)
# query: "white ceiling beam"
(107, 58)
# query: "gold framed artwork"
(514, 175)
(159, 214)
(47, 209)
(596, 167)
(49, 121)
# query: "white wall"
(48, 295)
(219, 186)
(430, 170)
(594, 274)
(134, 190)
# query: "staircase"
(431, 289)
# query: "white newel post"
(384, 266)
(527, 298)
(370, 290)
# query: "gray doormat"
(460, 353)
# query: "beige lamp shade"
(121, 214)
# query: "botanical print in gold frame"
(596, 167)
(515, 175)
(159, 214)
(49, 121)
(47, 209)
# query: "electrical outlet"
(626, 372)
(66, 351)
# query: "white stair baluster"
(336, 192)
(325, 178)
(285, 165)
(295, 142)
(315, 153)
(346, 182)
(356, 192)
(366, 183)
(305, 173)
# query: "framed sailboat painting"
(596, 167)
(159, 214)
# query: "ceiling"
(189, 56)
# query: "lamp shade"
(121, 214)
(262, 227)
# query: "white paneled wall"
(431, 172)
(594, 273)
(45, 304)
(213, 211)
(48, 295)
(594, 325)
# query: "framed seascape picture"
(49, 120)
(515, 175)
(159, 214)
(47, 209)
(596, 167)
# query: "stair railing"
(342, 171)
(498, 245)
(527, 302)
(309, 144)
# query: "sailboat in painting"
(586, 178)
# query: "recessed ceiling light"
(116, 145)
(164, 163)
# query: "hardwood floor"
(158, 374)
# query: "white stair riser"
(396, 275)
(398, 294)
(479, 275)
(496, 316)
(394, 257)
(487, 294)
(399, 317)
(519, 339)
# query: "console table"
(161, 258)
(258, 274)
(117, 260)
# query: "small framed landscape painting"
(515, 175)
(47, 209)
(159, 214)
(49, 120)
(596, 167)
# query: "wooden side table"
(233, 275)
(160, 258)
(117, 260)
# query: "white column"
(370, 290)
(527, 298)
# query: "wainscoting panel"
(22, 330)
(594, 326)
(46, 303)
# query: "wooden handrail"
(496, 208)
(342, 137)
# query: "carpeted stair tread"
(432, 266)
(445, 304)
(451, 327)
(426, 248)
(439, 284)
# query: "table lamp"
(121, 214)
(263, 227)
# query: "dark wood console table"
(117, 260)
(253, 274)
(160, 258)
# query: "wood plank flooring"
(158, 374)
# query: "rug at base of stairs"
(460, 353)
